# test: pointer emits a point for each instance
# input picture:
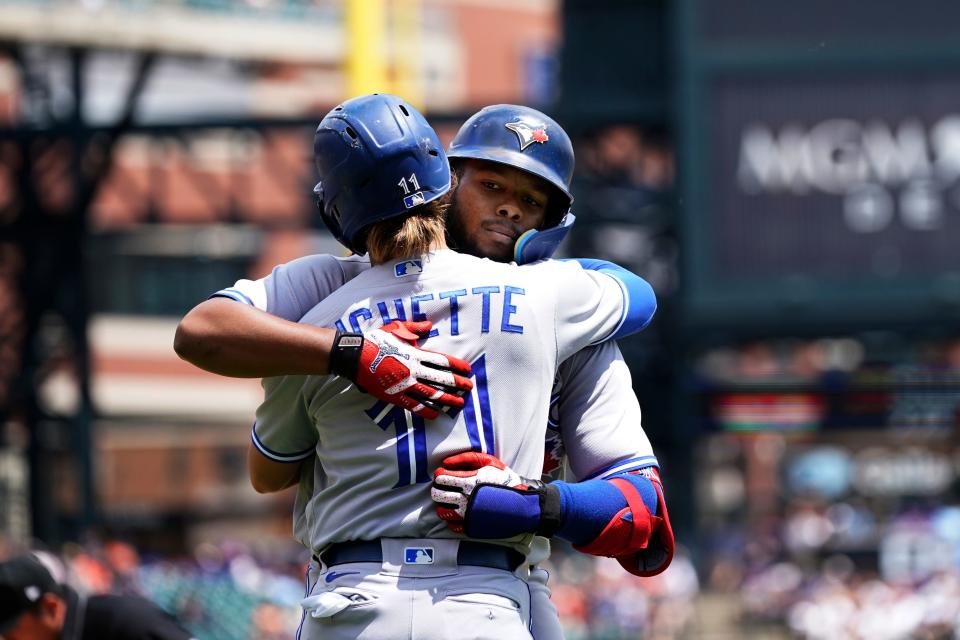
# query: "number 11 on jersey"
(412, 460)
(407, 427)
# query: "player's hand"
(388, 364)
(477, 494)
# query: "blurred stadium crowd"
(236, 591)
(795, 580)
(790, 583)
(809, 433)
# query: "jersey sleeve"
(591, 306)
(284, 431)
(641, 301)
(599, 415)
(293, 288)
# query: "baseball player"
(389, 566)
(34, 606)
(593, 407)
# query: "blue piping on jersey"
(530, 604)
(623, 466)
(233, 294)
(640, 302)
(483, 398)
(275, 455)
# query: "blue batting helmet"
(377, 158)
(531, 141)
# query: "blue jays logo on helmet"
(377, 159)
(527, 134)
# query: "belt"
(474, 554)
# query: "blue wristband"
(502, 512)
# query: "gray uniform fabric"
(373, 460)
(396, 600)
(594, 418)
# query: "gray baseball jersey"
(594, 419)
(374, 461)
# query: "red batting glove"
(388, 364)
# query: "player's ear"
(51, 611)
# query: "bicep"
(291, 289)
(267, 475)
(602, 301)
(590, 307)
(294, 288)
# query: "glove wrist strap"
(345, 354)
(550, 512)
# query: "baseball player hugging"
(387, 565)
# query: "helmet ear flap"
(538, 245)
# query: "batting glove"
(388, 364)
(478, 495)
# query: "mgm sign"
(842, 178)
(878, 170)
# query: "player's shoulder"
(327, 265)
(443, 263)
(352, 265)
(353, 261)
(327, 260)
(568, 272)
(550, 264)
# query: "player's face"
(492, 206)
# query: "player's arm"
(241, 341)
(270, 476)
(640, 303)
(596, 304)
(248, 331)
(283, 436)
(603, 437)
(599, 421)
(619, 517)
(598, 415)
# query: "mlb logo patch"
(418, 555)
(413, 200)
(408, 268)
